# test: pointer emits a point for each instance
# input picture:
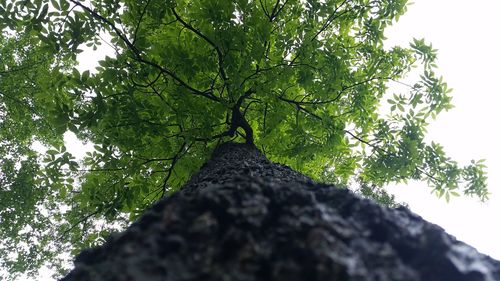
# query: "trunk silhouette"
(242, 217)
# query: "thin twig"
(208, 40)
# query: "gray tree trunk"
(242, 217)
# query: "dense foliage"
(306, 81)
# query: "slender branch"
(378, 148)
(264, 9)
(302, 102)
(137, 53)
(215, 137)
(149, 84)
(175, 158)
(141, 121)
(259, 70)
(156, 160)
(159, 95)
(208, 94)
(265, 116)
(276, 11)
(22, 68)
(271, 17)
(29, 108)
(110, 24)
(300, 107)
(331, 18)
(84, 219)
(208, 40)
(139, 21)
(248, 106)
(321, 101)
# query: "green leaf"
(55, 4)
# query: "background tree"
(305, 81)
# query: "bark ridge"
(245, 218)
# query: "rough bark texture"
(244, 218)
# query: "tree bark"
(242, 217)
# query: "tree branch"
(264, 9)
(300, 107)
(175, 158)
(139, 21)
(84, 219)
(378, 148)
(137, 54)
(276, 11)
(331, 18)
(208, 40)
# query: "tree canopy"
(307, 81)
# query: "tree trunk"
(242, 217)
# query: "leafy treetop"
(304, 80)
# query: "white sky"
(467, 37)
(466, 33)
